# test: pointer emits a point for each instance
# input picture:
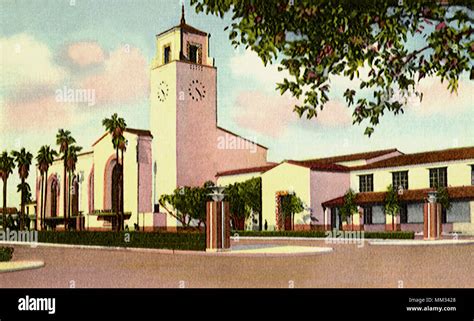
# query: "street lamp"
(432, 196)
(217, 193)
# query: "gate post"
(432, 217)
(217, 223)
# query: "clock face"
(196, 90)
(163, 91)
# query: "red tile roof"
(260, 169)
(184, 27)
(344, 158)
(10, 210)
(416, 195)
(422, 158)
(326, 167)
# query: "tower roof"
(184, 26)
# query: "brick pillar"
(432, 226)
(217, 226)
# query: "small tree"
(392, 205)
(244, 198)
(238, 211)
(349, 207)
(187, 203)
(291, 205)
(443, 198)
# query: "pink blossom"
(440, 25)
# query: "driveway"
(347, 266)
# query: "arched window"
(115, 190)
(75, 197)
(54, 198)
(91, 192)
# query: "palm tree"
(44, 160)
(25, 190)
(116, 126)
(23, 161)
(71, 167)
(64, 140)
(7, 165)
(122, 145)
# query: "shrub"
(6, 254)
(163, 240)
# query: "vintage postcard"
(237, 144)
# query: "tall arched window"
(115, 190)
(54, 198)
(91, 192)
(75, 197)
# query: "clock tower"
(183, 114)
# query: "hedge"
(368, 235)
(6, 254)
(161, 240)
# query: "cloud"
(27, 62)
(85, 53)
(248, 65)
(437, 100)
(36, 115)
(265, 111)
(124, 78)
(272, 115)
(32, 75)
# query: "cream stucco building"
(321, 184)
(183, 147)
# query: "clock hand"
(200, 95)
(163, 92)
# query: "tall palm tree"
(116, 126)
(7, 165)
(122, 146)
(71, 162)
(23, 161)
(44, 160)
(64, 140)
(25, 190)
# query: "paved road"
(347, 266)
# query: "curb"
(290, 238)
(20, 266)
(424, 243)
(161, 251)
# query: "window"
(400, 179)
(54, 198)
(193, 53)
(403, 214)
(472, 175)
(438, 177)
(444, 216)
(368, 215)
(167, 54)
(333, 218)
(366, 183)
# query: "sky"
(48, 47)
